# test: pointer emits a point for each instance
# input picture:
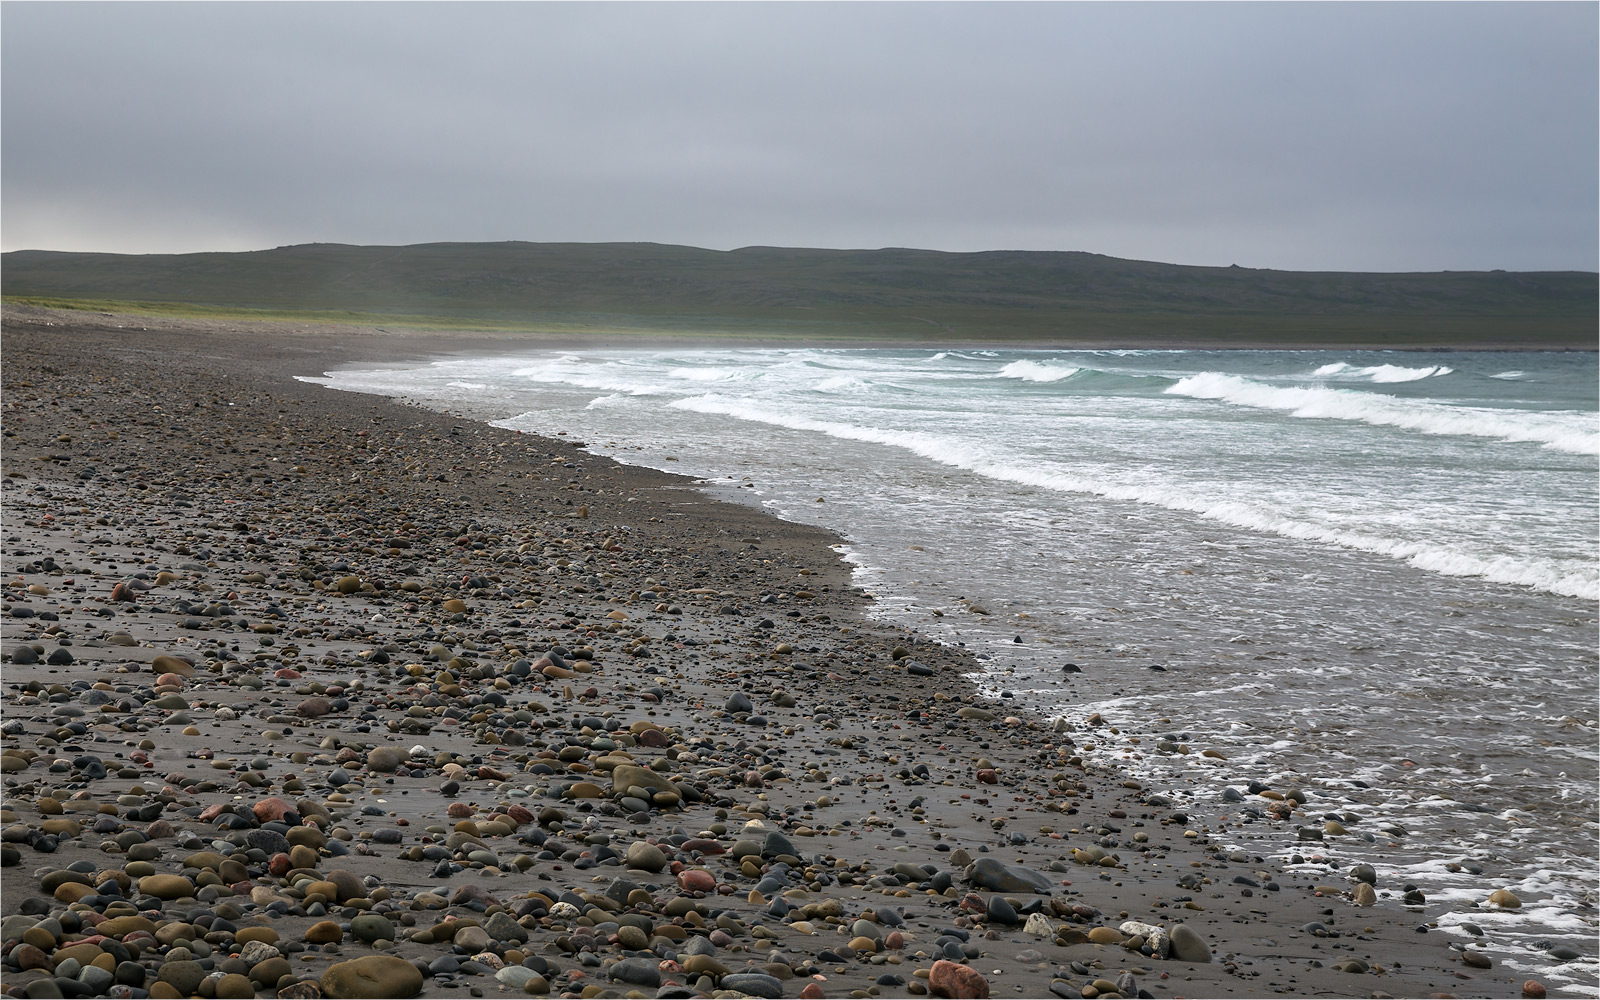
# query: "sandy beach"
(310, 693)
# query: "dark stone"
(996, 876)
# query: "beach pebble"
(1533, 988)
(958, 982)
(371, 927)
(166, 886)
(755, 984)
(182, 975)
(996, 876)
(372, 977)
(324, 932)
(1001, 911)
(385, 759)
(639, 971)
(697, 880)
(1505, 899)
(1187, 945)
(646, 857)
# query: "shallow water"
(1371, 575)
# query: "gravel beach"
(310, 693)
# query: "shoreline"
(735, 636)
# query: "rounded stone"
(1188, 945)
(183, 976)
(370, 927)
(697, 880)
(646, 857)
(372, 977)
(959, 982)
(632, 938)
(385, 758)
(166, 886)
(324, 932)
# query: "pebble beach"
(310, 693)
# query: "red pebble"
(812, 992)
(894, 941)
(287, 673)
(697, 880)
(458, 810)
(1533, 988)
(989, 776)
(948, 979)
(279, 865)
(271, 810)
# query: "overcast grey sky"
(1343, 136)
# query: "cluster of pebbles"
(309, 694)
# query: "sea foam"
(1034, 371)
(1381, 373)
(1572, 578)
(1575, 433)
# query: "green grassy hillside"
(894, 294)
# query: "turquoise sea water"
(1373, 575)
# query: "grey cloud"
(1349, 136)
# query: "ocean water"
(1372, 575)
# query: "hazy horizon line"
(776, 246)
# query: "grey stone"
(754, 984)
(996, 876)
(502, 927)
(1188, 945)
(639, 971)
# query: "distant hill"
(896, 294)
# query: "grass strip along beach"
(311, 694)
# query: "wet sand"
(336, 696)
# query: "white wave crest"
(1572, 578)
(1395, 373)
(1575, 433)
(606, 378)
(842, 383)
(1035, 371)
(708, 374)
(1382, 373)
(1508, 375)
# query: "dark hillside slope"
(1018, 295)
